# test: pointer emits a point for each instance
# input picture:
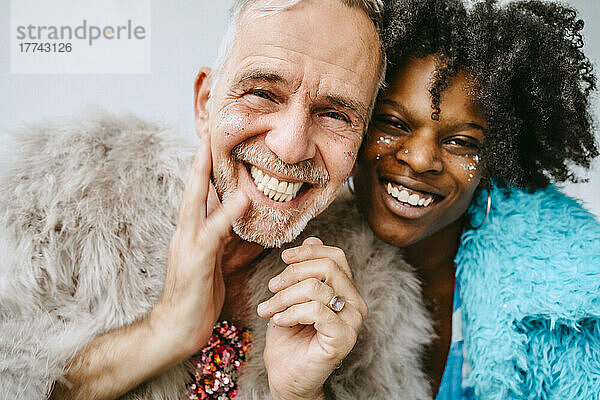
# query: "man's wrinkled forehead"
(335, 46)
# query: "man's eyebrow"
(261, 76)
(348, 104)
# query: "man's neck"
(236, 261)
(238, 256)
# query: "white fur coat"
(87, 209)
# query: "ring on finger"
(336, 304)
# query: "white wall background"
(185, 35)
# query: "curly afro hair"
(531, 78)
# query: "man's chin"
(272, 228)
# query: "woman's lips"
(409, 196)
(404, 208)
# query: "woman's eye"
(390, 125)
(463, 143)
(462, 146)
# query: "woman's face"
(416, 176)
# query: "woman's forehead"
(409, 92)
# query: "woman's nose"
(421, 153)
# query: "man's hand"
(194, 291)
(182, 320)
(306, 340)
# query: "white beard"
(261, 224)
(272, 228)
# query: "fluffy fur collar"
(530, 282)
(87, 210)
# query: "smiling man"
(288, 114)
(280, 122)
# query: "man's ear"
(202, 88)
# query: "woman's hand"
(306, 340)
(194, 291)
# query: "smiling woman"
(489, 102)
(422, 171)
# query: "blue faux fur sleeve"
(530, 279)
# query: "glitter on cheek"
(470, 168)
(349, 154)
(384, 140)
(233, 123)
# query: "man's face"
(287, 115)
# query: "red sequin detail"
(217, 365)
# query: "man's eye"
(263, 94)
(336, 115)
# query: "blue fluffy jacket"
(530, 284)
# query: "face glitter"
(468, 166)
(384, 140)
(234, 122)
(349, 154)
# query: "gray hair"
(373, 9)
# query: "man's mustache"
(264, 158)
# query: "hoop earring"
(487, 210)
(350, 183)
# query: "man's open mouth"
(275, 189)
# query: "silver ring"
(336, 304)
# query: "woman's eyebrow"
(458, 124)
(397, 106)
(461, 126)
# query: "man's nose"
(420, 151)
(290, 137)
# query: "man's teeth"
(404, 196)
(272, 188)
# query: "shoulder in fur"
(80, 200)
(87, 207)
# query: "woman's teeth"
(411, 197)
(272, 188)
